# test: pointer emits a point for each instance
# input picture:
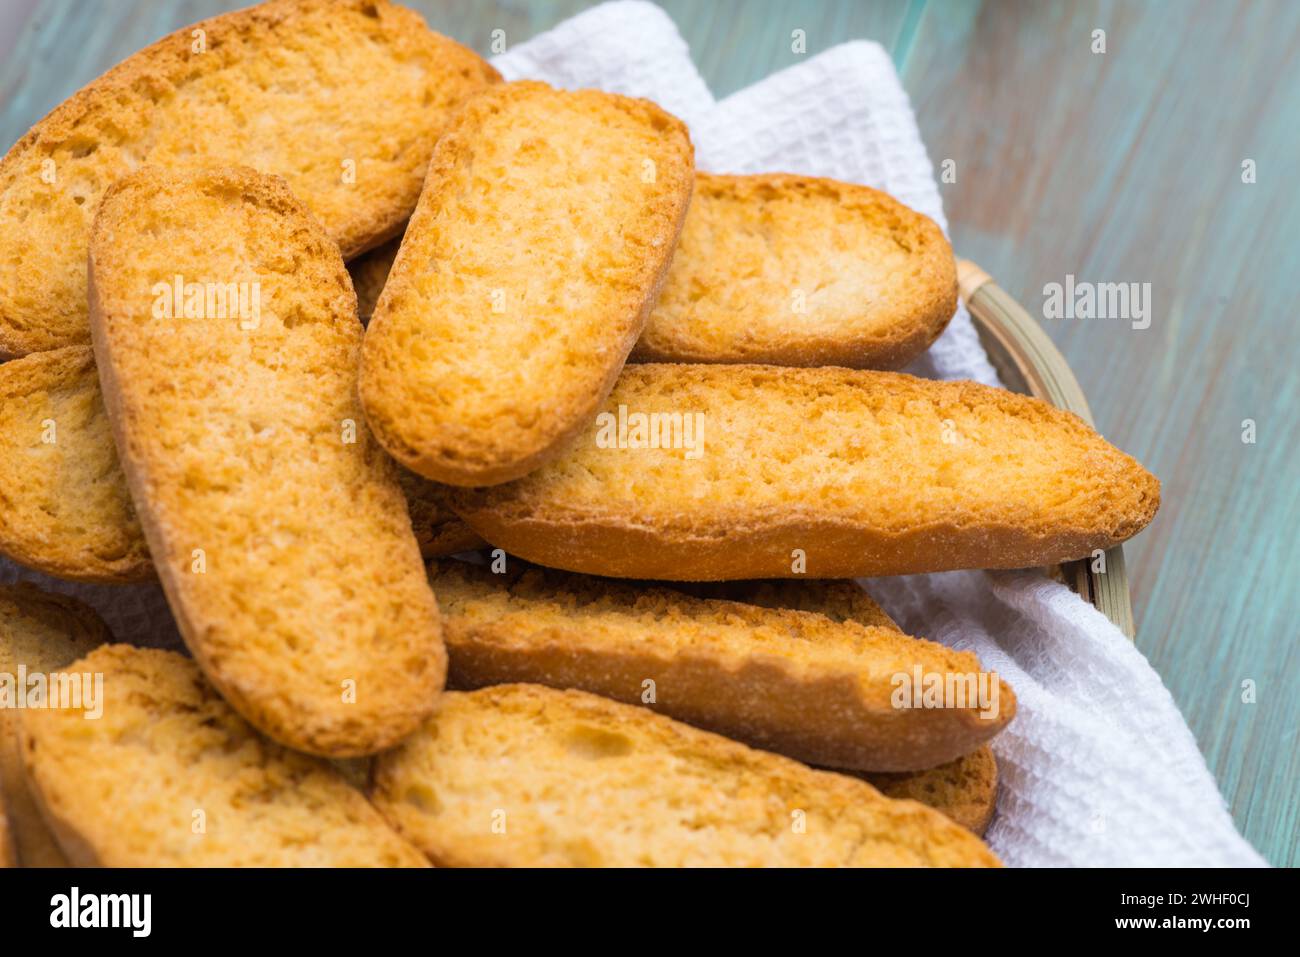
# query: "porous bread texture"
(794, 270)
(579, 780)
(343, 98)
(46, 633)
(965, 790)
(539, 244)
(64, 506)
(793, 682)
(276, 522)
(438, 530)
(829, 473)
(787, 270)
(369, 273)
(171, 776)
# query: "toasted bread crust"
(45, 632)
(171, 776)
(64, 505)
(965, 790)
(581, 780)
(799, 271)
(832, 473)
(310, 612)
(524, 278)
(794, 682)
(169, 105)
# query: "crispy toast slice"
(700, 472)
(784, 270)
(965, 789)
(795, 682)
(544, 230)
(64, 505)
(277, 525)
(343, 98)
(798, 271)
(171, 776)
(521, 775)
(839, 599)
(45, 633)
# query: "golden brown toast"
(794, 270)
(45, 633)
(795, 682)
(965, 790)
(767, 472)
(8, 851)
(839, 599)
(343, 98)
(785, 270)
(276, 523)
(521, 775)
(64, 505)
(525, 276)
(67, 511)
(171, 776)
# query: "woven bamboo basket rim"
(1029, 362)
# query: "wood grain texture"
(1123, 166)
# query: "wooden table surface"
(1123, 166)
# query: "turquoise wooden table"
(1116, 166)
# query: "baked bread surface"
(794, 270)
(541, 238)
(829, 473)
(171, 776)
(276, 523)
(343, 98)
(785, 270)
(795, 682)
(965, 789)
(64, 506)
(521, 775)
(46, 633)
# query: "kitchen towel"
(1098, 767)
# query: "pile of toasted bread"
(304, 300)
